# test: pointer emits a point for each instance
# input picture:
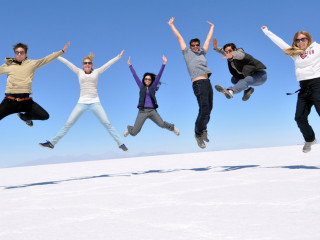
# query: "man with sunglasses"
(245, 70)
(20, 71)
(199, 72)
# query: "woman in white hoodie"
(306, 57)
(89, 99)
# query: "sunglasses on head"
(84, 63)
(301, 39)
(195, 45)
(20, 52)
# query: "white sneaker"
(176, 131)
(126, 132)
(307, 146)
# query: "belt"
(19, 99)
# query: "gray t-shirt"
(196, 62)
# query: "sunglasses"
(84, 63)
(20, 52)
(228, 51)
(301, 39)
(148, 79)
(195, 45)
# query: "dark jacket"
(247, 66)
(142, 96)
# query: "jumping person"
(195, 58)
(89, 99)
(147, 101)
(306, 56)
(20, 72)
(246, 70)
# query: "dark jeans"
(204, 93)
(33, 111)
(308, 96)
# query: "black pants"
(33, 111)
(308, 96)
(204, 93)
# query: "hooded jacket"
(20, 74)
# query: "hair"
(21, 45)
(152, 75)
(194, 40)
(90, 57)
(294, 50)
(232, 45)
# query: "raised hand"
(211, 24)
(121, 54)
(66, 47)
(215, 43)
(164, 59)
(263, 27)
(129, 63)
(228, 55)
(171, 21)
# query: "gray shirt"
(196, 62)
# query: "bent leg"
(255, 79)
(79, 109)
(8, 107)
(33, 111)
(141, 118)
(156, 118)
(98, 110)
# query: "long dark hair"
(152, 75)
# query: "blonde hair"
(294, 50)
(90, 57)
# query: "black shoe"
(226, 92)
(247, 93)
(47, 144)
(123, 148)
(29, 123)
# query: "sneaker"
(200, 141)
(226, 92)
(307, 146)
(126, 132)
(47, 144)
(176, 131)
(29, 123)
(123, 147)
(247, 93)
(205, 136)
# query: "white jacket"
(307, 64)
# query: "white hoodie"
(307, 64)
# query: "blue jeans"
(203, 91)
(256, 79)
(79, 109)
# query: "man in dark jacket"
(246, 71)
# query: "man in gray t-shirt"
(199, 72)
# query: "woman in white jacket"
(306, 57)
(89, 99)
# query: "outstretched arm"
(69, 65)
(108, 64)
(51, 57)
(177, 34)
(274, 38)
(156, 81)
(135, 76)
(209, 36)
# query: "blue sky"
(140, 27)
